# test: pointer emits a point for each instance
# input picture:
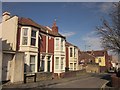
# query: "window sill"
(28, 46)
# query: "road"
(89, 82)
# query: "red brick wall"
(51, 45)
(18, 38)
(106, 60)
(43, 44)
(67, 57)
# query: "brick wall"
(43, 44)
(72, 73)
(115, 81)
(92, 68)
(40, 76)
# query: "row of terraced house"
(43, 48)
(31, 47)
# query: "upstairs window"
(74, 52)
(33, 38)
(62, 44)
(25, 36)
(99, 60)
(71, 52)
(57, 44)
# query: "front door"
(48, 66)
(49, 57)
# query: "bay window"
(62, 63)
(57, 62)
(57, 44)
(25, 36)
(71, 52)
(33, 38)
(62, 44)
(32, 63)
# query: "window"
(62, 63)
(25, 36)
(99, 60)
(33, 38)
(57, 44)
(57, 63)
(70, 52)
(74, 52)
(62, 44)
(32, 63)
(25, 65)
(42, 63)
(71, 66)
(74, 66)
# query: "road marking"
(103, 86)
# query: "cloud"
(105, 7)
(92, 41)
(68, 34)
(99, 7)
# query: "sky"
(76, 20)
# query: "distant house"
(85, 58)
(72, 56)
(101, 58)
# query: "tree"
(110, 32)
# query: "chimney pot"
(5, 16)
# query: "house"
(71, 56)
(43, 48)
(85, 58)
(52, 50)
(101, 58)
(12, 59)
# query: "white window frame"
(62, 62)
(32, 29)
(62, 42)
(71, 52)
(31, 63)
(56, 62)
(25, 36)
(57, 43)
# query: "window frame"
(33, 37)
(62, 42)
(62, 62)
(31, 63)
(71, 52)
(57, 63)
(57, 43)
(25, 36)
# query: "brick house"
(43, 47)
(52, 50)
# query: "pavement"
(56, 82)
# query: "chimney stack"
(5, 16)
(55, 27)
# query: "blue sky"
(77, 21)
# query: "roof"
(53, 33)
(44, 29)
(69, 44)
(97, 53)
(85, 55)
